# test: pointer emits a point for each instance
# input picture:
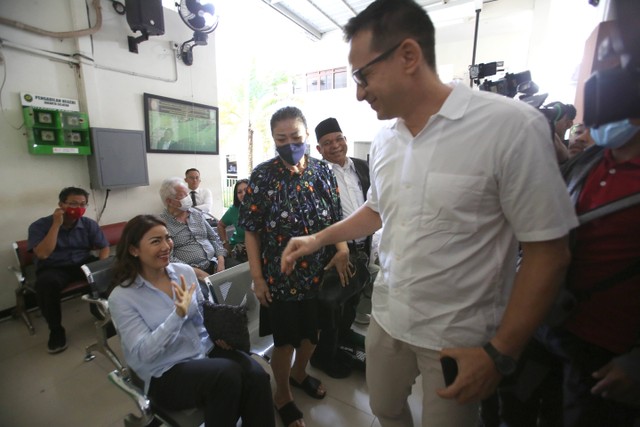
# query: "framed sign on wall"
(175, 126)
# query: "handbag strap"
(609, 208)
(619, 277)
(600, 211)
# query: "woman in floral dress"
(290, 195)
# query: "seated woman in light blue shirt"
(162, 332)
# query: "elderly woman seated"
(195, 242)
(157, 310)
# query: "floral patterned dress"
(279, 205)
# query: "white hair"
(168, 188)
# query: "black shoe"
(57, 341)
(334, 368)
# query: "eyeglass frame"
(357, 75)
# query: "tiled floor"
(39, 389)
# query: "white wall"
(110, 91)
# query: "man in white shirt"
(457, 181)
(201, 198)
(353, 182)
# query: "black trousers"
(228, 385)
(581, 408)
(49, 283)
(577, 360)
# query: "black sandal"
(289, 413)
(310, 385)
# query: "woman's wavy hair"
(236, 201)
(126, 267)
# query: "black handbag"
(228, 323)
(333, 295)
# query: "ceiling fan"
(201, 16)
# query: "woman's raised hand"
(183, 296)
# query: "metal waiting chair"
(233, 287)
(99, 276)
(150, 412)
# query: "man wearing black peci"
(353, 182)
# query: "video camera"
(510, 85)
(614, 94)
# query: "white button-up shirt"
(453, 199)
(351, 197)
(204, 199)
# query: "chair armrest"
(101, 303)
(18, 273)
(135, 393)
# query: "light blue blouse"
(153, 337)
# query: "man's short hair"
(392, 21)
(191, 170)
(168, 188)
(72, 191)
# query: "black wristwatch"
(506, 365)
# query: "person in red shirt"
(599, 345)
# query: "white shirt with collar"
(454, 200)
(351, 197)
(204, 199)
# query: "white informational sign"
(65, 150)
(49, 102)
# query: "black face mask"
(292, 153)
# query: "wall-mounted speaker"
(145, 16)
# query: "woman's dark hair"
(127, 267)
(236, 201)
(287, 113)
(392, 21)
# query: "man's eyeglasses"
(358, 75)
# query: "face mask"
(614, 135)
(292, 153)
(185, 203)
(75, 213)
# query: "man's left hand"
(477, 375)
